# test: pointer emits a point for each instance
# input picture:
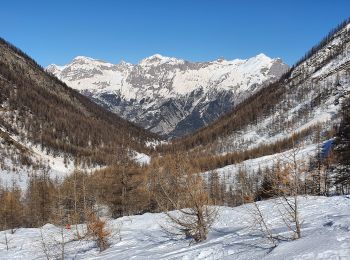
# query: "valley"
(167, 158)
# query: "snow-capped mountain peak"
(55, 69)
(124, 63)
(83, 58)
(160, 92)
(262, 56)
(158, 59)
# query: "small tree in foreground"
(289, 201)
(185, 192)
(260, 222)
(97, 229)
(284, 183)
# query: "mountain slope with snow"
(166, 95)
(313, 94)
(48, 127)
(310, 94)
(325, 235)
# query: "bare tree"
(283, 183)
(11, 210)
(7, 240)
(260, 223)
(288, 202)
(185, 192)
(216, 188)
(44, 245)
(244, 186)
(54, 240)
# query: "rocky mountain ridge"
(169, 96)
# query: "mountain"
(45, 124)
(302, 107)
(169, 96)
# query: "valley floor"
(325, 235)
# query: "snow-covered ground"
(141, 158)
(56, 166)
(325, 235)
(228, 173)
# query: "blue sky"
(196, 30)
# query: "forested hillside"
(39, 109)
(305, 101)
(342, 150)
(48, 130)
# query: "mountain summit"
(166, 95)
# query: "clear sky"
(55, 31)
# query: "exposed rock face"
(169, 96)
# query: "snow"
(138, 92)
(56, 166)
(155, 143)
(142, 158)
(325, 235)
(225, 75)
(85, 73)
(158, 59)
(229, 172)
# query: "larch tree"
(186, 192)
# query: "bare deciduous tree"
(260, 222)
(288, 202)
(187, 193)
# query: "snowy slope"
(312, 95)
(12, 171)
(325, 235)
(229, 173)
(15, 170)
(167, 95)
(57, 166)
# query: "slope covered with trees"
(342, 151)
(304, 101)
(36, 107)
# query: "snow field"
(325, 235)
